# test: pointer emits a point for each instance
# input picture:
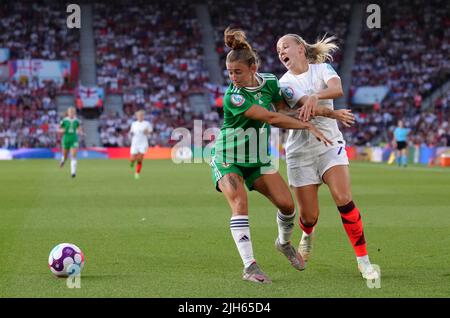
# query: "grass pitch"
(167, 234)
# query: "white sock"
(73, 166)
(240, 231)
(62, 159)
(285, 226)
(363, 259)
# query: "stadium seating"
(28, 113)
(265, 22)
(152, 54)
(409, 54)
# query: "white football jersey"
(137, 129)
(294, 87)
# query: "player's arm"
(283, 108)
(61, 129)
(394, 140)
(130, 132)
(345, 116)
(279, 120)
(333, 90)
(148, 130)
(309, 107)
(80, 131)
(309, 102)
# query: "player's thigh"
(232, 186)
(276, 190)
(303, 171)
(308, 202)
(337, 179)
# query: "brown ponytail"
(241, 50)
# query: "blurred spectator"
(265, 22)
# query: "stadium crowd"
(265, 22)
(28, 112)
(151, 54)
(409, 54)
(37, 30)
(28, 116)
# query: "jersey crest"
(237, 100)
(288, 92)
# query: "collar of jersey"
(302, 74)
(261, 81)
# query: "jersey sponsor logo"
(288, 92)
(237, 100)
(225, 165)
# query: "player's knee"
(239, 204)
(286, 206)
(309, 220)
(342, 199)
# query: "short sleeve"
(236, 103)
(328, 72)
(291, 91)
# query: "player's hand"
(308, 107)
(319, 135)
(345, 116)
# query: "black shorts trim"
(401, 145)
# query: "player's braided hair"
(318, 52)
(241, 50)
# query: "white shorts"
(305, 171)
(136, 149)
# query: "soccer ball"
(66, 259)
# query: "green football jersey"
(244, 141)
(70, 127)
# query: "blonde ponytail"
(319, 52)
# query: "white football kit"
(139, 141)
(308, 158)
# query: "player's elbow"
(338, 92)
(272, 119)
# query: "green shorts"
(68, 143)
(250, 174)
